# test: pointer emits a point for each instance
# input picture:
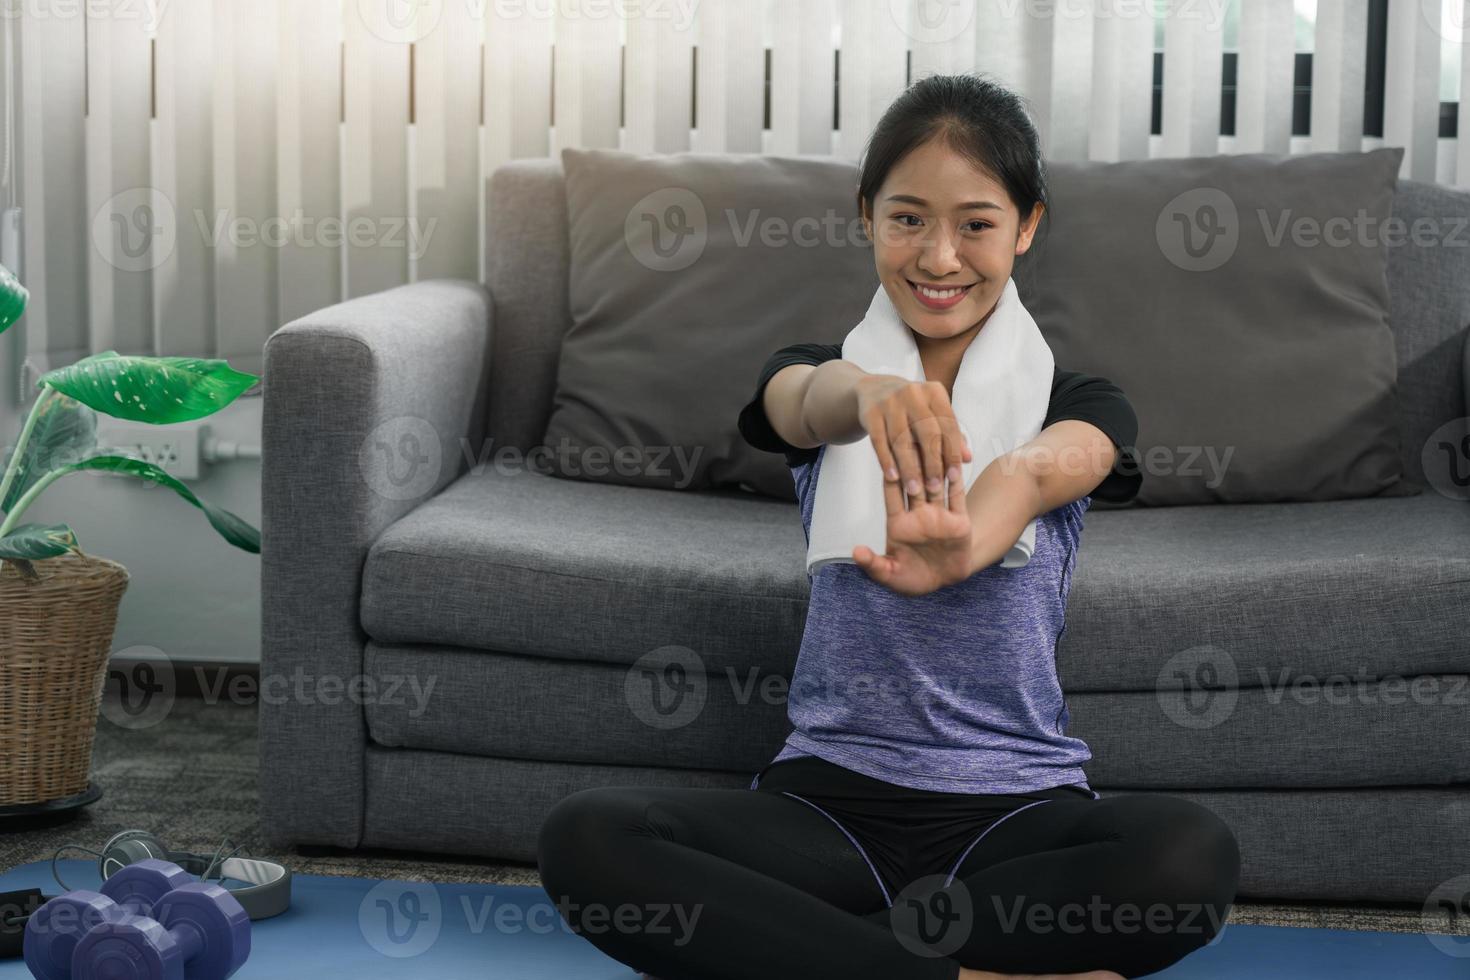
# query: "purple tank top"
(955, 691)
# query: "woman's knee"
(580, 837)
(1187, 856)
(1197, 850)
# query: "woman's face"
(938, 222)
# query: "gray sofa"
(525, 600)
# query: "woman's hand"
(920, 448)
(914, 432)
(929, 545)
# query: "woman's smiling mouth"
(938, 298)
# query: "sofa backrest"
(526, 270)
(1429, 311)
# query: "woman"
(934, 822)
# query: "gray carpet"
(191, 779)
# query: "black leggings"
(802, 878)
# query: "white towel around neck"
(1000, 399)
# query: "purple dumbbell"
(55, 928)
(197, 932)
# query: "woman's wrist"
(1001, 502)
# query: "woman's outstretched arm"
(810, 405)
(1065, 462)
(912, 424)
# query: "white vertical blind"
(1264, 75)
(1065, 96)
(1192, 51)
(517, 86)
(658, 89)
(123, 220)
(1411, 89)
(52, 147)
(1006, 49)
(730, 88)
(246, 309)
(871, 74)
(588, 80)
(442, 233)
(265, 154)
(375, 168)
(941, 36)
(308, 156)
(1122, 83)
(183, 267)
(802, 77)
(1339, 65)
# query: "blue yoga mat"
(401, 930)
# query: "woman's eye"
(903, 217)
(983, 225)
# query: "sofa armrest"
(366, 404)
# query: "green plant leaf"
(37, 541)
(13, 298)
(233, 529)
(150, 389)
(65, 431)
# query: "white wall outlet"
(174, 448)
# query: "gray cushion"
(499, 705)
(1278, 354)
(515, 560)
(1379, 585)
(1431, 309)
(668, 334)
(511, 560)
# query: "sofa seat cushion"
(1269, 593)
(512, 559)
(516, 561)
(509, 706)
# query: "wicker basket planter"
(58, 606)
(55, 639)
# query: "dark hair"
(978, 118)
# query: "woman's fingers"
(916, 435)
(957, 494)
(934, 462)
(878, 434)
(878, 567)
(906, 452)
(952, 448)
(954, 454)
(892, 498)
